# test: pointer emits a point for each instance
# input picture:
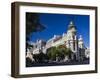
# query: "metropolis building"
(70, 39)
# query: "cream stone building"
(69, 38)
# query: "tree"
(58, 53)
(33, 23)
(55, 53)
(61, 51)
(51, 53)
(64, 51)
(68, 51)
(41, 57)
(29, 62)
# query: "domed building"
(69, 38)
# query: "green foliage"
(39, 57)
(33, 23)
(62, 49)
(59, 51)
(51, 53)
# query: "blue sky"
(58, 24)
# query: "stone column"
(71, 44)
(76, 48)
